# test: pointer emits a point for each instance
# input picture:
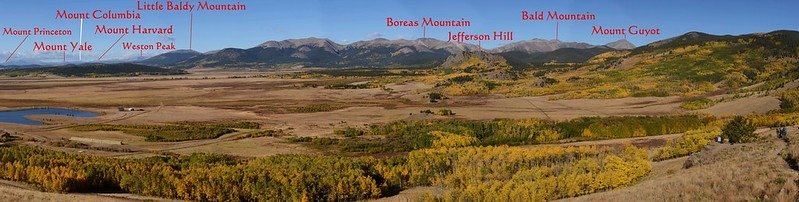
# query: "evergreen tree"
(739, 130)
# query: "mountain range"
(379, 52)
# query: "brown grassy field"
(302, 106)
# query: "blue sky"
(347, 21)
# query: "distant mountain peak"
(537, 45)
(622, 44)
(377, 42)
(417, 45)
(694, 34)
(686, 38)
(452, 47)
(325, 43)
(171, 57)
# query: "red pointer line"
(15, 50)
(191, 27)
(557, 27)
(112, 45)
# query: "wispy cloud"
(374, 35)
(166, 38)
(56, 57)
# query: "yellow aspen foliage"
(466, 88)
(471, 173)
(445, 139)
(547, 136)
(688, 143)
(564, 172)
(201, 177)
(639, 132)
(773, 120)
(588, 134)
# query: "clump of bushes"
(296, 139)
(689, 143)
(739, 130)
(324, 141)
(349, 132)
(789, 100)
(348, 86)
(238, 124)
(173, 132)
(697, 104)
(312, 108)
(444, 112)
(435, 97)
(595, 128)
(265, 133)
(547, 136)
(469, 88)
(448, 140)
(440, 112)
(774, 119)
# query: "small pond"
(18, 116)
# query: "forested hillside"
(93, 70)
(692, 64)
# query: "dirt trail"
(538, 108)
(647, 141)
(412, 194)
(123, 117)
(744, 106)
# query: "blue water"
(18, 116)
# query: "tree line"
(173, 132)
(408, 135)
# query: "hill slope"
(540, 45)
(690, 64)
(171, 58)
(523, 60)
(621, 45)
(82, 70)
(477, 61)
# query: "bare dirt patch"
(16, 191)
(744, 106)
